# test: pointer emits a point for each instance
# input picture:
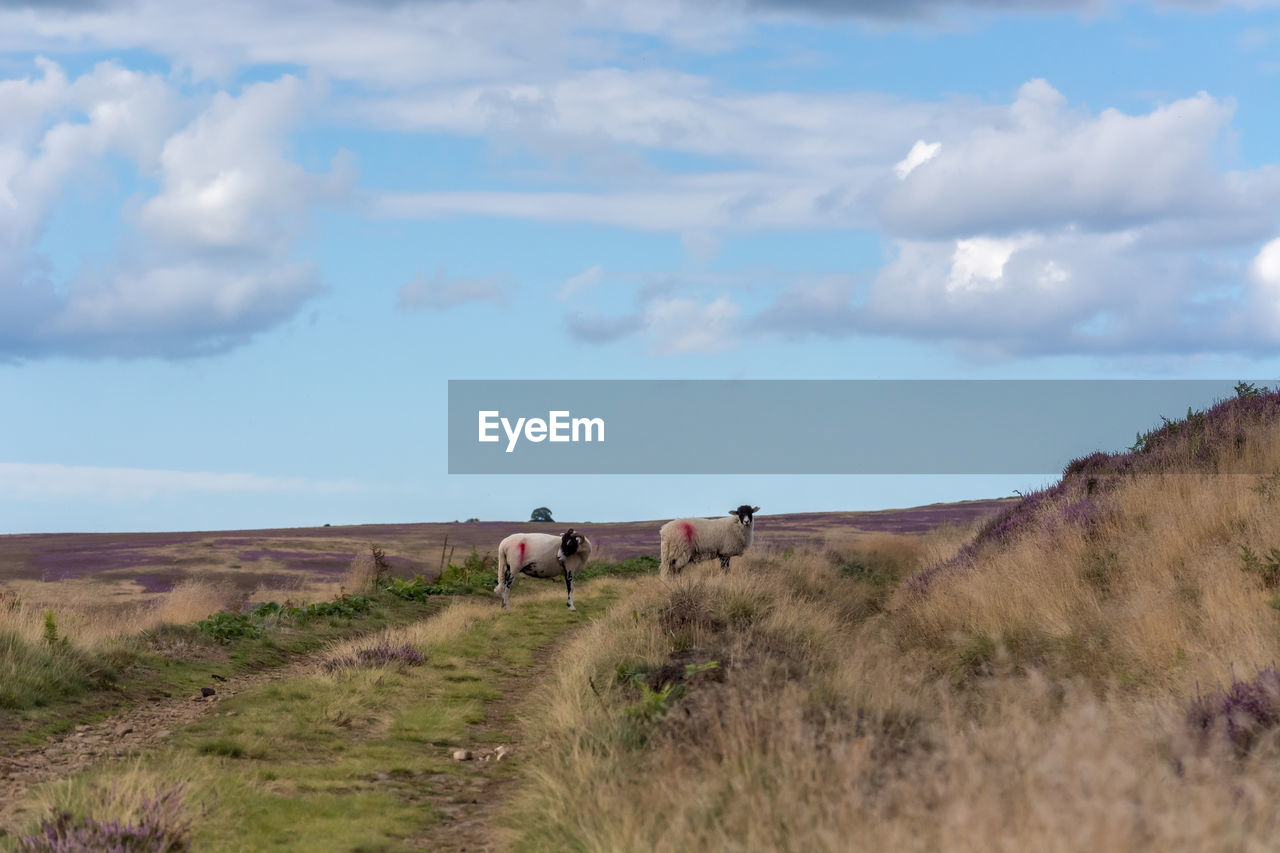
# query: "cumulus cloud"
(1031, 223)
(440, 293)
(225, 182)
(204, 263)
(1043, 294)
(1043, 165)
(672, 316)
(836, 161)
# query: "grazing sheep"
(691, 540)
(541, 555)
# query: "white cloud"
(1042, 165)
(1011, 212)
(1059, 292)
(1264, 276)
(978, 263)
(225, 182)
(33, 481)
(922, 152)
(584, 280)
(441, 293)
(205, 265)
(680, 325)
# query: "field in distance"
(137, 565)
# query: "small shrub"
(1242, 713)
(1248, 391)
(160, 829)
(654, 704)
(416, 589)
(478, 573)
(1266, 567)
(51, 637)
(344, 606)
(226, 627)
(383, 654)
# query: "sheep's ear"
(734, 512)
(754, 510)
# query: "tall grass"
(1052, 683)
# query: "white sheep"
(541, 555)
(691, 540)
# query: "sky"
(245, 246)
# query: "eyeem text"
(558, 426)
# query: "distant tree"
(469, 520)
(541, 514)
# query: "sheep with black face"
(541, 555)
(691, 540)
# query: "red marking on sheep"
(521, 554)
(688, 532)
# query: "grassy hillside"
(1090, 669)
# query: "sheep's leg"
(724, 563)
(568, 583)
(506, 588)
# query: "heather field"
(1088, 667)
(314, 559)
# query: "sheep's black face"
(745, 514)
(569, 542)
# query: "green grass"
(46, 689)
(345, 761)
(33, 675)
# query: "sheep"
(541, 555)
(691, 540)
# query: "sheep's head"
(571, 542)
(744, 514)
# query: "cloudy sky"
(243, 246)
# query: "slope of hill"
(1089, 669)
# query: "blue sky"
(244, 246)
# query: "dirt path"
(139, 729)
(470, 802)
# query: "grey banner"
(804, 426)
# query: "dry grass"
(1154, 593)
(1034, 701)
(88, 622)
(91, 614)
